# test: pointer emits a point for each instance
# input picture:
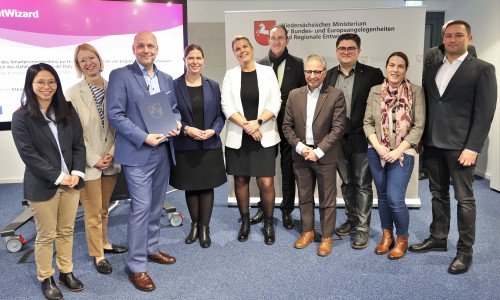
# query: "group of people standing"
(349, 119)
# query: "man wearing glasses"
(289, 71)
(313, 125)
(355, 80)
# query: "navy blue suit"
(213, 116)
(146, 168)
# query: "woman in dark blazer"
(394, 123)
(198, 149)
(48, 136)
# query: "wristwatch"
(186, 130)
(260, 121)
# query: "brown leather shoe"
(161, 258)
(400, 248)
(386, 243)
(305, 239)
(142, 281)
(326, 246)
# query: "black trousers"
(356, 187)
(440, 165)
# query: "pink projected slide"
(33, 31)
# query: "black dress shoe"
(258, 217)
(116, 249)
(360, 240)
(193, 234)
(288, 221)
(430, 244)
(460, 264)
(204, 233)
(70, 281)
(345, 228)
(103, 266)
(50, 289)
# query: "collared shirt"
(64, 168)
(446, 72)
(312, 100)
(345, 83)
(281, 72)
(151, 80)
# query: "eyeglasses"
(90, 58)
(344, 49)
(41, 83)
(315, 72)
(280, 38)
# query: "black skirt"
(198, 170)
(251, 159)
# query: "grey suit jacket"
(328, 124)
(461, 118)
(99, 140)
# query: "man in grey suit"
(290, 73)
(146, 157)
(355, 80)
(313, 125)
(461, 95)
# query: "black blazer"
(365, 77)
(38, 150)
(436, 54)
(213, 117)
(462, 117)
(293, 76)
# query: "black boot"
(50, 289)
(245, 227)
(257, 218)
(268, 231)
(69, 280)
(193, 234)
(204, 233)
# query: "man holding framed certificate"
(146, 156)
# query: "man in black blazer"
(290, 72)
(461, 95)
(355, 80)
(434, 55)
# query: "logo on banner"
(155, 110)
(261, 31)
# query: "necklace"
(194, 83)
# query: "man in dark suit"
(437, 54)
(290, 73)
(461, 95)
(355, 80)
(146, 157)
(434, 55)
(313, 125)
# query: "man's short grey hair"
(317, 57)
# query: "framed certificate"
(157, 113)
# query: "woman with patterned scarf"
(394, 122)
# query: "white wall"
(206, 27)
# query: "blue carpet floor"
(252, 270)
